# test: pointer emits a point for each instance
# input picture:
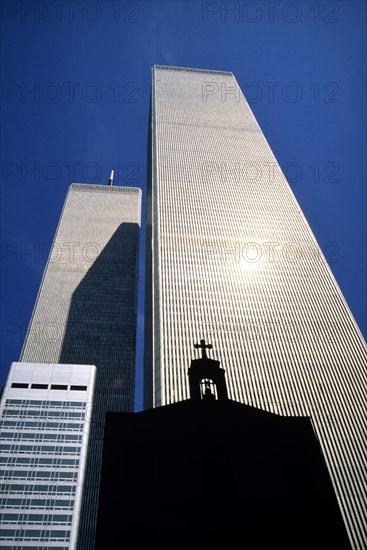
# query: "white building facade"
(45, 419)
(232, 259)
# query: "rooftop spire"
(203, 346)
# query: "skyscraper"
(233, 260)
(86, 310)
(45, 414)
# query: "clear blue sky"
(75, 102)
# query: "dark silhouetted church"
(210, 472)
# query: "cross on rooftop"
(203, 346)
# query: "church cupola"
(206, 377)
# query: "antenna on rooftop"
(110, 181)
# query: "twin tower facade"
(229, 258)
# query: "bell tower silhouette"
(206, 377)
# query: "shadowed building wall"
(233, 260)
(86, 310)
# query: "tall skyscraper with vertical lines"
(86, 311)
(232, 259)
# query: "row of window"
(37, 461)
(24, 386)
(37, 474)
(33, 547)
(50, 489)
(36, 534)
(40, 503)
(43, 414)
(44, 519)
(45, 403)
(15, 436)
(40, 449)
(40, 425)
